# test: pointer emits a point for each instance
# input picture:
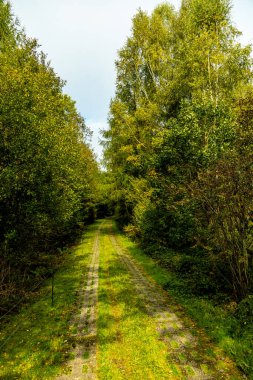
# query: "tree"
(47, 168)
(174, 118)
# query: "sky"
(81, 39)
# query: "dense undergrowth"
(20, 282)
(195, 286)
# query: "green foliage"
(180, 139)
(104, 199)
(47, 170)
(244, 312)
(225, 215)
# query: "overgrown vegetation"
(47, 169)
(180, 140)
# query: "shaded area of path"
(84, 363)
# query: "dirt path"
(84, 364)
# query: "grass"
(36, 342)
(128, 345)
(218, 322)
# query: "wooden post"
(52, 294)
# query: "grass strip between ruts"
(128, 345)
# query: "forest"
(179, 146)
(177, 172)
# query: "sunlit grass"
(42, 341)
(129, 347)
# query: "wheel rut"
(84, 364)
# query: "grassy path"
(121, 325)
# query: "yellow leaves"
(132, 159)
(129, 156)
(152, 173)
(127, 149)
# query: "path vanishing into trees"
(129, 328)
